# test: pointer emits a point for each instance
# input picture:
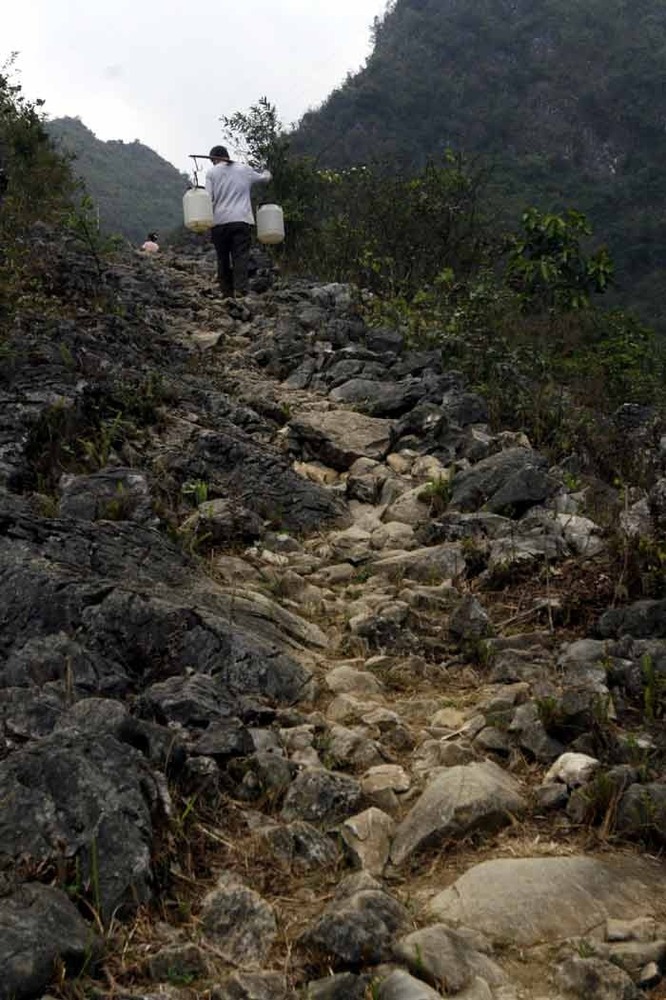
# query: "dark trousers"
(232, 245)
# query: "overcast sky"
(164, 71)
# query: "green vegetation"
(515, 308)
(40, 189)
(562, 98)
(134, 190)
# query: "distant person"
(150, 245)
(229, 184)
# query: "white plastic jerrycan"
(197, 210)
(270, 224)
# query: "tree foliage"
(132, 188)
(565, 98)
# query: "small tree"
(548, 267)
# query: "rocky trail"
(312, 684)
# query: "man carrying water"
(229, 185)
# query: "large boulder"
(528, 901)
(84, 800)
(462, 800)
(258, 477)
(509, 482)
(340, 437)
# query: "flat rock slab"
(527, 901)
(464, 799)
(338, 438)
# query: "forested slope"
(135, 190)
(564, 98)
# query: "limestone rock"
(462, 800)
(301, 846)
(572, 769)
(399, 985)
(252, 986)
(343, 986)
(527, 901)
(368, 839)
(345, 679)
(38, 925)
(357, 928)
(593, 979)
(446, 959)
(240, 924)
(338, 438)
(321, 796)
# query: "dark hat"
(219, 152)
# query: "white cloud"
(163, 71)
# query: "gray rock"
(641, 812)
(357, 929)
(222, 522)
(632, 956)
(529, 901)
(338, 438)
(114, 494)
(178, 961)
(241, 924)
(437, 562)
(466, 799)
(343, 986)
(252, 986)
(39, 925)
(90, 798)
(223, 739)
(301, 846)
(594, 979)
(100, 581)
(530, 733)
(259, 478)
(322, 797)
(446, 959)
(399, 985)
(463, 408)
(550, 797)
(470, 621)
(381, 398)
(509, 482)
(492, 740)
(642, 620)
(368, 839)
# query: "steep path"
(358, 727)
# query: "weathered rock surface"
(239, 922)
(532, 900)
(466, 799)
(358, 926)
(88, 800)
(446, 959)
(321, 796)
(338, 438)
(38, 926)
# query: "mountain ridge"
(135, 189)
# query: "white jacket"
(229, 186)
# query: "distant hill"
(565, 97)
(135, 190)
